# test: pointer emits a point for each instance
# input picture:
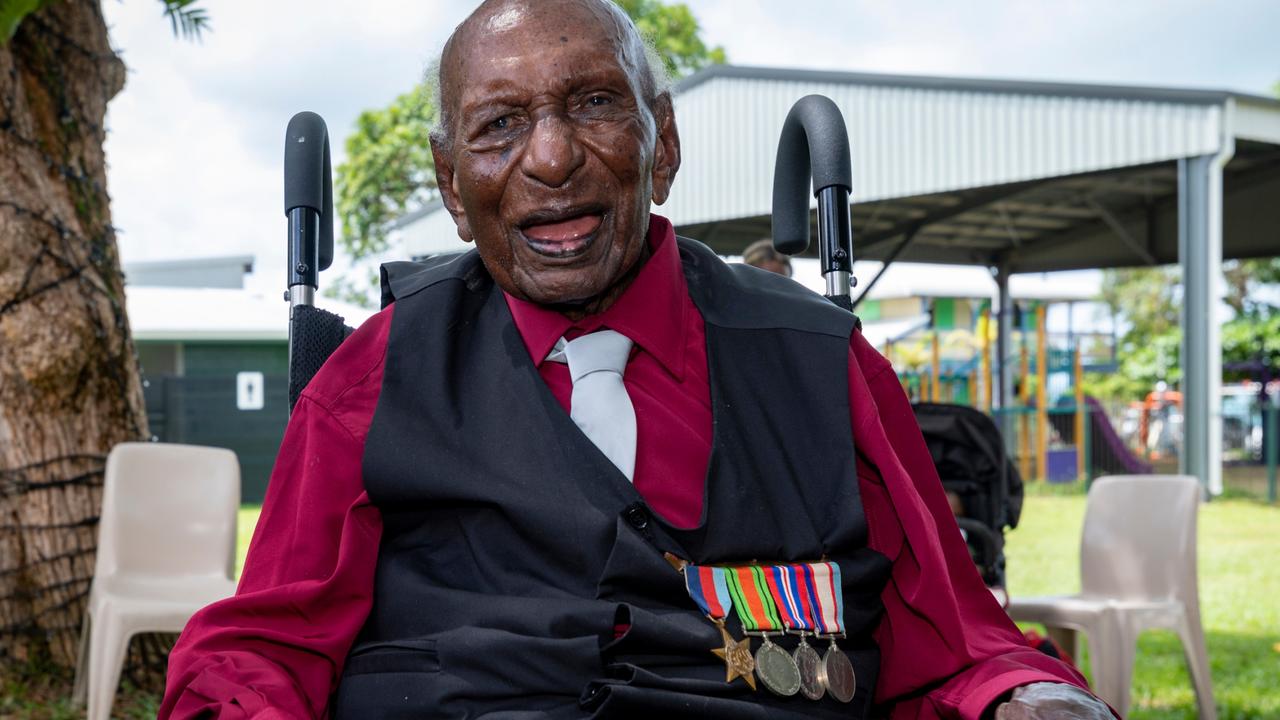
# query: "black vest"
(512, 548)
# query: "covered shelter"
(1016, 176)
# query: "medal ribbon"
(709, 590)
(802, 597)
(786, 595)
(755, 605)
(830, 601)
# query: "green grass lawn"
(1239, 596)
(244, 529)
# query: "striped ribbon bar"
(753, 601)
(709, 589)
(802, 597)
(808, 598)
(785, 586)
(825, 578)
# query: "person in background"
(762, 255)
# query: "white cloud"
(1161, 42)
(196, 137)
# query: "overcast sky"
(196, 137)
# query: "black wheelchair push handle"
(308, 201)
(813, 152)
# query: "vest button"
(637, 517)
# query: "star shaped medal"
(707, 587)
(736, 654)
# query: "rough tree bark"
(69, 383)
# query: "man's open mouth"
(561, 234)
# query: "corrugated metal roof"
(915, 136)
(208, 272)
(939, 82)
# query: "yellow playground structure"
(1054, 431)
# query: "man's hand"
(1052, 701)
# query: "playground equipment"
(1054, 431)
(945, 366)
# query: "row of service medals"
(803, 599)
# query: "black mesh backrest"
(314, 334)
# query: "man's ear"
(666, 155)
(446, 183)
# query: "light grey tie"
(600, 405)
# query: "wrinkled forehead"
(567, 37)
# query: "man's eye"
(501, 123)
(599, 100)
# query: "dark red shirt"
(276, 649)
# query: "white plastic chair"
(166, 548)
(1137, 572)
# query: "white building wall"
(433, 234)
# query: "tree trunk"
(69, 384)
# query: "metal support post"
(1002, 379)
(1004, 333)
(1200, 254)
(1273, 446)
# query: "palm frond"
(186, 19)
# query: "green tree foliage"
(675, 34)
(1146, 300)
(388, 171)
(1244, 281)
(1149, 302)
(1253, 335)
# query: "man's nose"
(553, 154)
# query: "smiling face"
(553, 152)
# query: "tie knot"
(601, 350)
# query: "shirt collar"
(651, 311)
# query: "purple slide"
(1110, 455)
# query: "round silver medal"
(777, 670)
(808, 662)
(837, 675)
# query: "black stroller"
(982, 483)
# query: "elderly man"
(590, 470)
